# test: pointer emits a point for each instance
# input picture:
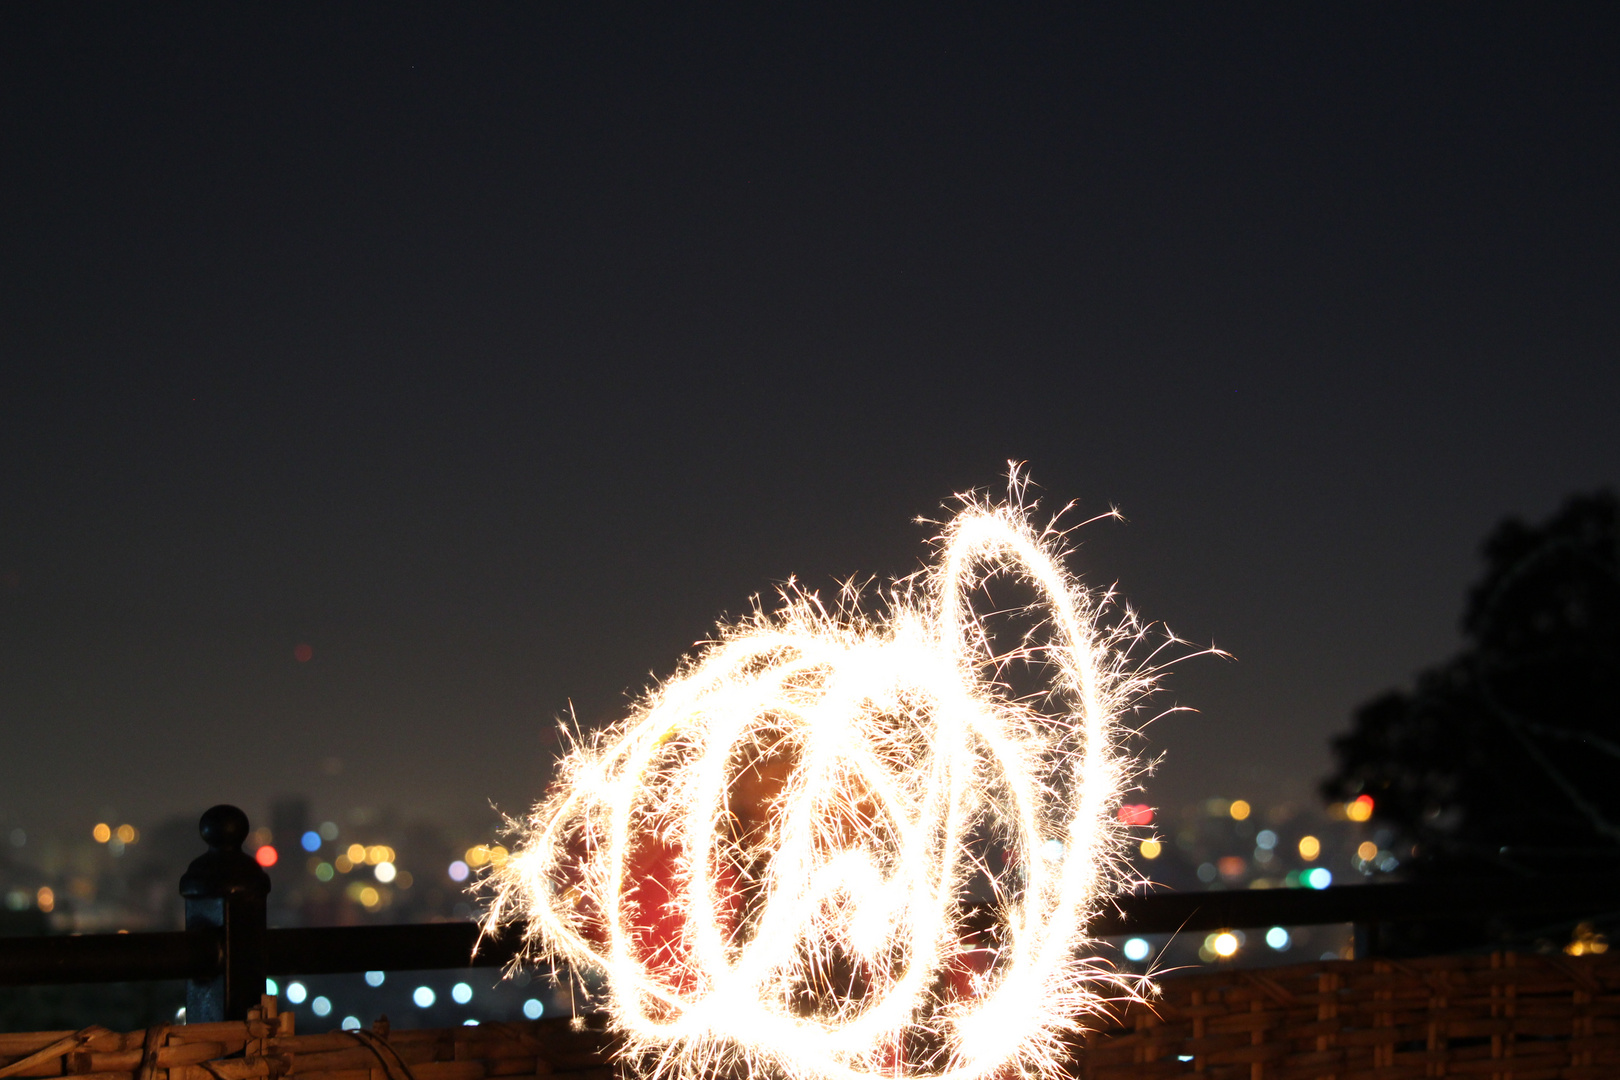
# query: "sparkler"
(838, 845)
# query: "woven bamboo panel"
(265, 1046)
(1503, 1017)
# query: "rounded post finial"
(224, 828)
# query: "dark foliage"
(1506, 759)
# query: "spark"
(840, 844)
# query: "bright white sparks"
(845, 844)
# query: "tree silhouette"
(1506, 759)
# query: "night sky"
(495, 352)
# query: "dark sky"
(494, 352)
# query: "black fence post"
(225, 890)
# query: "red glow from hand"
(1136, 814)
(303, 653)
(266, 856)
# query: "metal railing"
(226, 951)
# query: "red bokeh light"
(303, 653)
(266, 856)
(1136, 814)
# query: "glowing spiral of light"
(839, 845)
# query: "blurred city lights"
(1309, 848)
(1265, 839)
(461, 993)
(311, 841)
(265, 856)
(271, 988)
(297, 992)
(533, 1009)
(1137, 949)
(1367, 851)
(469, 1022)
(375, 978)
(459, 871)
(1150, 849)
(1585, 940)
(1359, 809)
(328, 830)
(127, 834)
(1240, 810)
(424, 997)
(1278, 938)
(351, 1023)
(102, 832)
(356, 854)
(1320, 878)
(321, 1006)
(385, 872)
(1225, 944)
(324, 871)
(45, 898)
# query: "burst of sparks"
(839, 845)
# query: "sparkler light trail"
(840, 845)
